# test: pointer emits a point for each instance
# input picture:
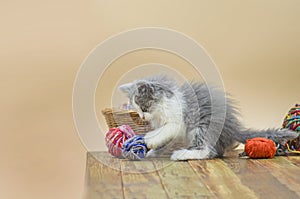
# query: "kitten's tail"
(277, 135)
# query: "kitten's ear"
(126, 88)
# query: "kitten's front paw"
(179, 155)
(185, 154)
(151, 154)
(152, 142)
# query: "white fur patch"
(167, 120)
(185, 154)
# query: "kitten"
(192, 120)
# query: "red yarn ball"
(115, 138)
(260, 148)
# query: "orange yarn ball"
(260, 148)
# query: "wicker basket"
(115, 118)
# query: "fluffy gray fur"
(187, 119)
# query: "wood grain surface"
(229, 177)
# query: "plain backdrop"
(254, 43)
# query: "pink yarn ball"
(115, 138)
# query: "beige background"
(255, 44)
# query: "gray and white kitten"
(186, 119)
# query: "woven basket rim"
(117, 111)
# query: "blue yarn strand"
(134, 148)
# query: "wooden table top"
(229, 177)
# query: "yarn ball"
(134, 148)
(292, 122)
(116, 137)
(260, 148)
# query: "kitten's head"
(147, 94)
